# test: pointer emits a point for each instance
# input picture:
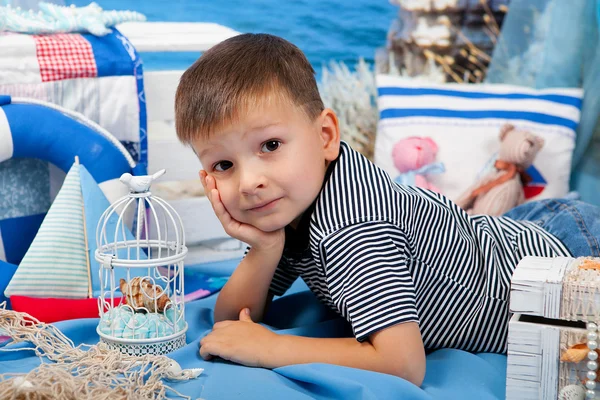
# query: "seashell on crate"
(572, 392)
(553, 336)
(142, 313)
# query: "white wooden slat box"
(533, 366)
(538, 330)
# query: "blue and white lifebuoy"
(35, 129)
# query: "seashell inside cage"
(141, 302)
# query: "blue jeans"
(573, 222)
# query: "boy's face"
(270, 163)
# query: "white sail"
(56, 264)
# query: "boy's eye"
(270, 146)
(222, 166)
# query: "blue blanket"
(451, 374)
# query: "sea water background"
(326, 30)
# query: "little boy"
(406, 267)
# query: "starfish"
(53, 18)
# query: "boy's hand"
(243, 342)
(249, 234)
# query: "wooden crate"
(552, 299)
(534, 370)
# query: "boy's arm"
(248, 286)
(397, 350)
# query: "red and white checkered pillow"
(65, 56)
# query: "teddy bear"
(414, 158)
(502, 188)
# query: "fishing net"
(84, 371)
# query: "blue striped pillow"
(465, 121)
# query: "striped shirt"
(381, 254)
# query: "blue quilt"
(451, 374)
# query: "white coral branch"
(352, 95)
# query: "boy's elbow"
(401, 352)
(413, 372)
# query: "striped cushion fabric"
(465, 121)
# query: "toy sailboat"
(58, 277)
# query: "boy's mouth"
(266, 205)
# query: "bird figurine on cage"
(140, 184)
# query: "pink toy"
(414, 157)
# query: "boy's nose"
(251, 181)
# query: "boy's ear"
(330, 134)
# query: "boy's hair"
(237, 73)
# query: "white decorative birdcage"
(141, 300)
